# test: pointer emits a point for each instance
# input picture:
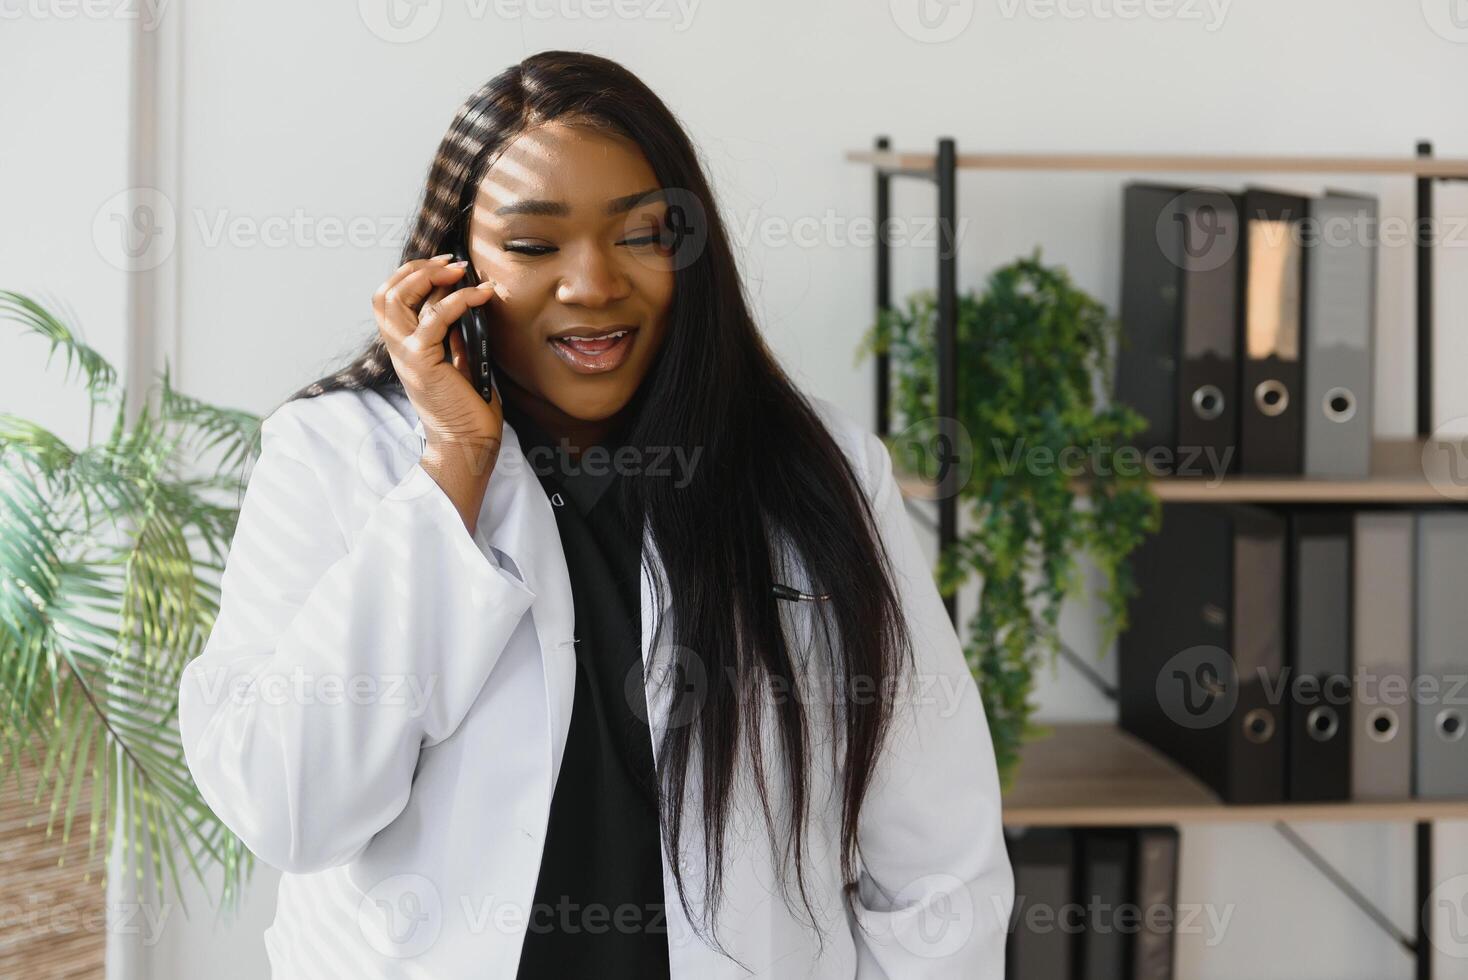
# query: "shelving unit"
(1090, 775)
(922, 164)
(1404, 471)
(1097, 775)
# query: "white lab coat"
(382, 707)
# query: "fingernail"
(457, 265)
(486, 286)
(440, 258)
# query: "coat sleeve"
(337, 653)
(936, 887)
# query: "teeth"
(605, 336)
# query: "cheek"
(513, 337)
(656, 288)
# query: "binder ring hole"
(1340, 405)
(1272, 397)
(1322, 723)
(1258, 726)
(1208, 402)
(1450, 725)
(1381, 725)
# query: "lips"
(593, 355)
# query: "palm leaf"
(109, 559)
(101, 378)
(234, 433)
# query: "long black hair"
(767, 465)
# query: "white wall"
(62, 159)
(66, 111)
(301, 112)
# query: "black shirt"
(598, 908)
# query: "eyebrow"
(559, 209)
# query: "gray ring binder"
(1339, 405)
(1449, 725)
(1382, 725)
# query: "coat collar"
(516, 515)
(516, 519)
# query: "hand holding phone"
(417, 310)
(473, 328)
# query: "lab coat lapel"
(516, 520)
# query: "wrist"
(464, 479)
(466, 459)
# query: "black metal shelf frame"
(944, 175)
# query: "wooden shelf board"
(1096, 775)
(1171, 163)
(1402, 472)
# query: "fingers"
(437, 318)
(379, 297)
(438, 292)
(396, 301)
(460, 357)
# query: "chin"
(595, 408)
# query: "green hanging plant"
(1033, 371)
(109, 563)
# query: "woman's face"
(567, 222)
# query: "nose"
(593, 280)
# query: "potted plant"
(109, 562)
(1033, 421)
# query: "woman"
(453, 640)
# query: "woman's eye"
(650, 237)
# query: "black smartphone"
(473, 326)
